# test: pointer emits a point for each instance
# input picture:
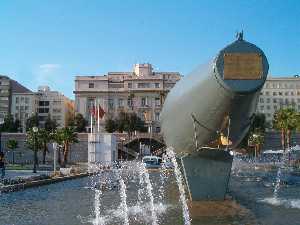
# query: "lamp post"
(122, 148)
(35, 130)
(54, 156)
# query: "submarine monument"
(208, 113)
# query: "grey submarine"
(208, 113)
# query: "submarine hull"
(221, 97)
(207, 173)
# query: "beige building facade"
(142, 91)
(53, 103)
(277, 93)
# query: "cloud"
(46, 68)
(47, 74)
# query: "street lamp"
(35, 161)
(54, 156)
(122, 143)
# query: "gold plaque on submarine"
(242, 66)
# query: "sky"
(49, 42)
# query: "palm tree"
(66, 136)
(45, 137)
(34, 143)
(285, 120)
(256, 139)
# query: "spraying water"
(149, 189)
(98, 219)
(123, 205)
(277, 185)
(179, 180)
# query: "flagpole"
(91, 121)
(98, 116)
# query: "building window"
(267, 93)
(268, 107)
(121, 102)
(274, 100)
(43, 110)
(26, 107)
(17, 99)
(275, 107)
(157, 116)
(43, 103)
(26, 100)
(262, 107)
(286, 93)
(91, 85)
(156, 85)
(268, 100)
(261, 100)
(143, 85)
(157, 101)
(129, 85)
(129, 102)
(110, 103)
(144, 101)
(57, 110)
(280, 93)
(274, 93)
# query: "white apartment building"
(279, 92)
(142, 91)
(60, 108)
(5, 98)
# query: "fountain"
(179, 180)
(149, 189)
(123, 205)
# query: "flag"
(93, 111)
(101, 112)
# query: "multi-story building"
(24, 103)
(277, 93)
(53, 103)
(142, 91)
(5, 97)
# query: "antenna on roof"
(240, 35)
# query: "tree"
(12, 144)
(32, 121)
(285, 120)
(34, 143)
(50, 125)
(80, 123)
(256, 139)
(258, 123)
(10, 125)
(121, 121)
(44, 137)
(65, 137)
(134, 123)
(110, 125)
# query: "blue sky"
(50, 41)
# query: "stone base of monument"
(102, 151)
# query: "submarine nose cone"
(241, 66)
